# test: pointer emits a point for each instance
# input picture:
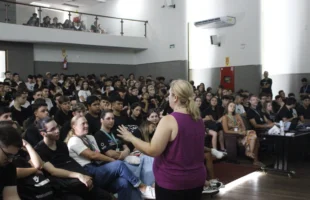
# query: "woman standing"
(179, 173)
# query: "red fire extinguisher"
(65, 63)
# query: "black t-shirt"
(133, 99)
(119, 120)
(255, 114)
(61, 118)
(265, 82)
(217, 113)
(19, 116)
(59, 158)
(33, 135)
(107, 143)
(284, 112)
(94, 123)
(64, 131)
(67, 92)
(8, 177)
(305, 112)
(132, 121)
(305, 89)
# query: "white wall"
(53, 53)
(245, 33)
(285, 41)
(166, 26)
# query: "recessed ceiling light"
(40, 4)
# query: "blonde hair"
(184, 91)
(71, 132)
(144, 129)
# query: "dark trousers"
(190, 194)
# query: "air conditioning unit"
(218, 22)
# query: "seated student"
(64, 114)
(268, 111)
(108, 173)
(278, 103)
(67, 176)
(5, 113)
(135, 114)
(133, 97)
(77, 110)
(304, 110)
(205, 119)
(56, 105)
(10, 144)
(257, 119)
(262, 100)
(153, 116)
(239, 107)
(40, 111)
(84, 92)
(112, 146)
(93, 115)
(31, 182)
(105, 103)
(45, 96)
(233, 124)
(286, 112)
(119, 117)
(19, 113)
(212, 118)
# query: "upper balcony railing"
(48, 17)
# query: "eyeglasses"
(9, 156)
(53, 130)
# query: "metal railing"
(95, 26)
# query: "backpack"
(35, 187)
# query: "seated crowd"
(68, 128)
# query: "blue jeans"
(115, 177)
(145, 170)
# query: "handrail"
(24, 4)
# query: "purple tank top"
(181, 165)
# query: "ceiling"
(59, 3)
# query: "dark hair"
(9, 136)
(291, 95)
(304, 80)
(4, 109)
(277, 97)
(105, 98)
(104, 112)
(263, 95)
(19, 93)
(134, 105)
(151, 111)
(280, 91)
(38, 104)
(226, 109)
(305, 97)
(91, 99)
(79, 107)
(226, 97)
(7, 72)
(290, 101)
(42, 122)
(121, 89)
(55, 75)
(36, 91)
(116, 98)
(63, 99)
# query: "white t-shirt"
(49, 103)
(30, 86)
(24, 106)
(76, 146)
(84, 93)
(240, 109)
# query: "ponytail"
(70, 135)
(192, 109)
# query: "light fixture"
(40, 4)
(102, 1)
